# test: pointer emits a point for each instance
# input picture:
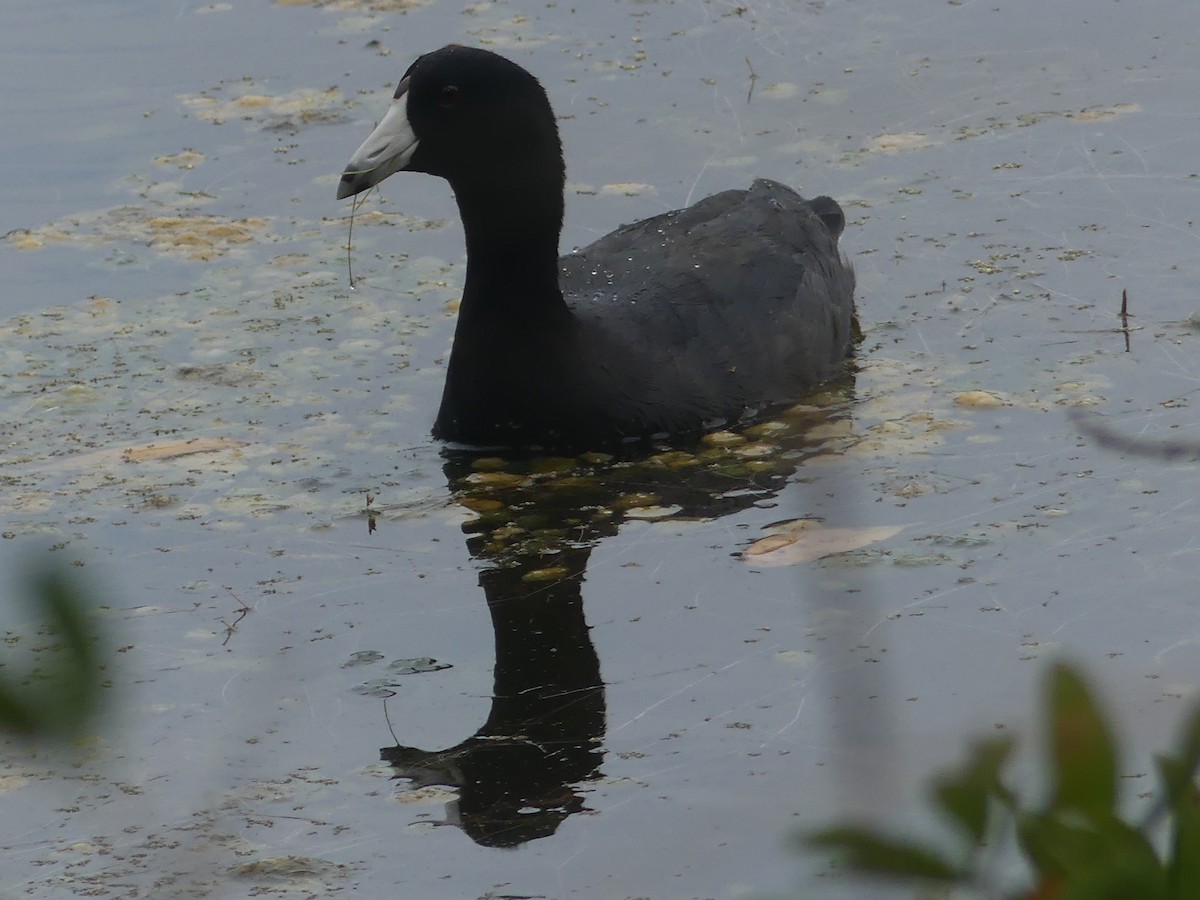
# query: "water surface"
(200, 412)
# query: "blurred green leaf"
(1189, 750)
(1092, 859)
(1188, 757)
(18, 712)
(1127, 872)
(68, 690)
(1056, 848)
(965, 794)
(1078, 847)
(1081, 745)
(1120, 879)
(1183, 866)
(871, 854)
(1175, 777)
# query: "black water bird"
(666, 327)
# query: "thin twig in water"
(1125, 314)
(243, 611)
(388, 719)
(355, 203)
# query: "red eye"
(448, 96)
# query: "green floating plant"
(58, 698)
(1076, 844)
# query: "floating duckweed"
(760, 465)
(979, 399)
(572, 482)
(627, 189)
(935, 424)
(418, 665)
(159, 501)
(736, 469)
(201, 237)
(498, 480)
(723, 439)
(781, 90)
(791, 526)
(806, 544)
(652, 512)
(185, 233)
(253, 100)
(770, 543)
(915, 488)
(630, 501)
(551, 539)
(282, 869)
(958, 540)
(551, 573)
(487, 522)
(36, 240)
(798, 658)
(823, 431)
(803, 409)
(481, 504)
(755, 451)
(1072, 255)
(177, 449)
(502, 535)
(767, 429)
(489, 463)
(70, 395)
(362, 658)
(920, 559)
(674, 459)
(185, 159)
(305, 106)
(899, 142)
(551, 464)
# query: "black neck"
(512, 228)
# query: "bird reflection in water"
(528, 768)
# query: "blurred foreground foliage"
(1076, 843)
(64, 691)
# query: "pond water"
(346, 660)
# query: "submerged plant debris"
(244, 101)
(193, 236)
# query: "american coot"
(668, 326)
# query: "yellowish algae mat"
(217, 400)
(171, 401)
(190, 235)
(245, 377)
